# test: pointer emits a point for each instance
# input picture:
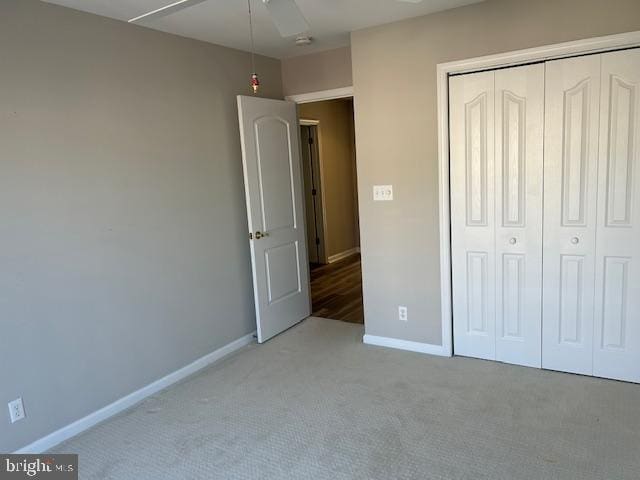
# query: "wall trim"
(318, 96)
(508, 59)
(49, 441)
(428, 348)
(341, 255)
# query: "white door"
(496, 211)
(616, 352)
(275, 209)
(471, 110)
(519, 97)
(572, 93)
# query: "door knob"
(260, 234)
(575, 240)
(513, 240)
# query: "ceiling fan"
(285, 14)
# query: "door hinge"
(250, 236)
(313, 191)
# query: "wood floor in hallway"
(336, 290)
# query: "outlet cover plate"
(382, 193)
(16, 410)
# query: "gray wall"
(123, 237)
(317, 71)
(394, 75)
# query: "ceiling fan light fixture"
(255, 83)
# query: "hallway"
(336, 290)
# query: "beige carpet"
(315, 403)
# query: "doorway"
(331, 208)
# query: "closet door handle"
(513, 240)
(575, 240)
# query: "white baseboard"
(429, 348)
(79, 426)
(341, 255)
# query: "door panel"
(572, 298)
(519, 110)
(282, 264)
(275, 209)
(275, 171)
(616, 351)
(472, 214)
(477, 293)
(572, 92)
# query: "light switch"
(382, 193)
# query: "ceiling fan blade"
(166, 10)
(287, 17)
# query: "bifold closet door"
(616, 349)
(591, 308)
(585, 317)
(519, 135)
(471, 127)
(572, 93)
(496, 128)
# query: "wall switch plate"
(402, 313)
(16, 410)
(382, 193)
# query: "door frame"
(319, 96)
(490, 62)
(306, 122)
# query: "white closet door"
(616, 351)
(472, 213)
(572, 93)
(519, 111)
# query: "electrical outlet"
(402, 313)
(16, 410)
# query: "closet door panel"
(616, 349)
(472, 213)
(519, 111)
(572, 93)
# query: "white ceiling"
(225, 22)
